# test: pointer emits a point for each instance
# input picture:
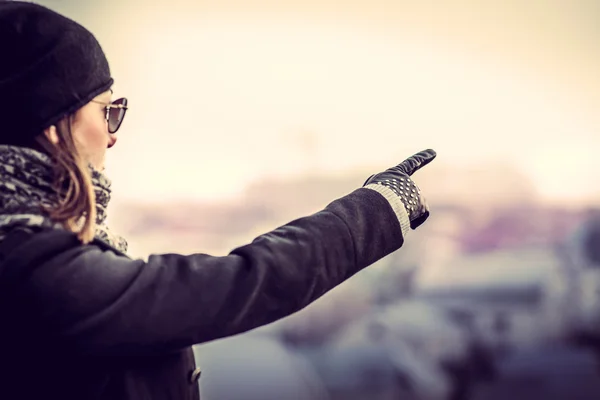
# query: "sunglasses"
(115, 113)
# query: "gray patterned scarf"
(26, 186)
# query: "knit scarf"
(26, 188)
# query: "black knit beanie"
(50, 66)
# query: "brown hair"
(76, 208)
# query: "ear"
(52, 134)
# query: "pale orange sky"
(225, 92)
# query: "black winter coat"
(86, 322)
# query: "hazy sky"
(223, 92)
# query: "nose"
(112, 139)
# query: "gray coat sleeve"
(93, 301)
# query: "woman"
(80, 319)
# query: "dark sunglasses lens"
(116, 115)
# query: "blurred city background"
(248, 114)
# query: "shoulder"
(50, 239)
(24, 249)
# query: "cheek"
(91, 136)
(99, 134)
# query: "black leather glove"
(398, 180)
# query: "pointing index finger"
(417, 161)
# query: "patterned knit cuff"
(396, 204)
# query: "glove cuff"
(396, 205)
